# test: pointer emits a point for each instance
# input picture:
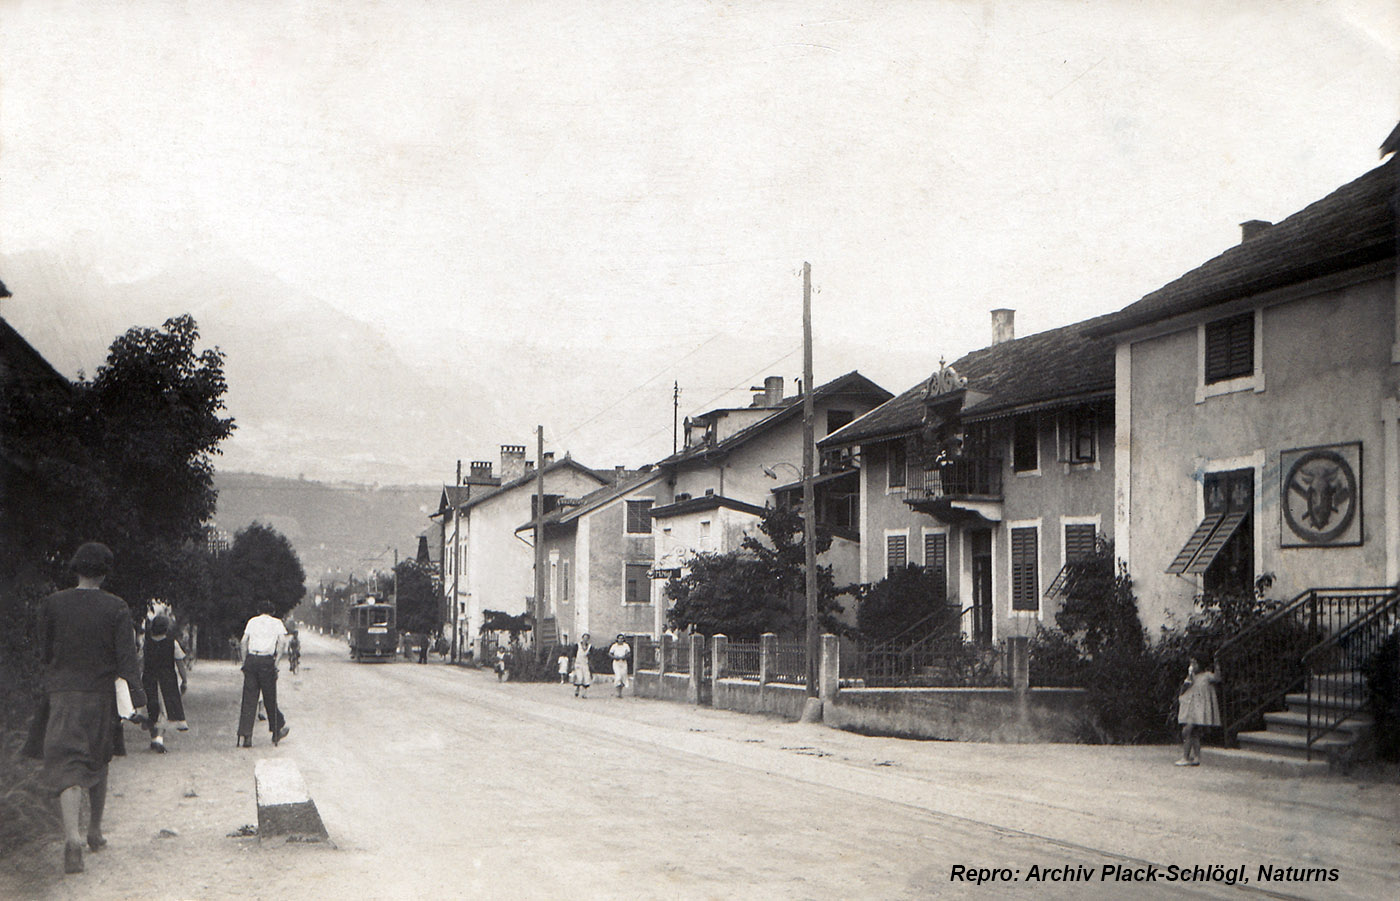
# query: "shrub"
(1383, 685)
(899, 601)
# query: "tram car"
(373, 633)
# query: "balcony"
(963, 490)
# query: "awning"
(1206, 542)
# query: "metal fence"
(743, 659)
(646, 653)
(678, 655)
(788, 663)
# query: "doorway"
(980, 545)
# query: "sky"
(418, 230)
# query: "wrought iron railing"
(743, 659)
(939, 657)
(678, 655)
(1265, 661)
(646, 654)
(964, 477)
(788, 663)
(1336, 680)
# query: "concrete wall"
(774, 698)
(668, 687)
(963, 714)
(1327, 374)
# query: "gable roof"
(850, 383)
(568, 513)
(463, 498)
(1063, 365)
(1352, 226)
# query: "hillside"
(336, 528)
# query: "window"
(638, 587)
(936, 562)
(639, 517)
(705, 534)
(835, 419)
(898, 464)
(1222, 547)
(1080, 540)
(896, 552)
(1025, 590)
(1025, 456)
(1078, 433)
(1229, 348)
(564, 581)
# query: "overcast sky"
(419, 229)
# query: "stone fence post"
(719, 657)
(1019, 650)
(830, 671)
(765, 657)
(697, 667)
(664, 653)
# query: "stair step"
(1262, 762)
(1295, 746)
(1296, 723)
(1299, 701)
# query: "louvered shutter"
(896, 553)
(1024, 590)
(1230, 348)
(936, 562)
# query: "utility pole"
(456, 567)
(396, 578)
(809, 493)
(539, 540)
(675, 414)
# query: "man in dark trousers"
(86, 642)
(264, 639)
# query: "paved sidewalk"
(1096, 801)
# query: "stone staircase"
(1281, 748)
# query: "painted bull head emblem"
(1323, 487)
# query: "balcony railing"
(967, 477)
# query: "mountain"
(336, 528)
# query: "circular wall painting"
(1320, 496)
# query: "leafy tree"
(1100, 609)
(498, 621)
(900, 601)
(759, 588)
(420, 597)
(260, 565)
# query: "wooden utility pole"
(456, 567)
(538, 605)
(809, 493)
(675, 414)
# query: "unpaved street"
(436, 781)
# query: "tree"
(260, 565)
(498, 621)
(900, 601)
(759, 588)
(420, 597)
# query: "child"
(164, 659)
(563, 666)
(1197, 707)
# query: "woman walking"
(85, 642)
(583, 673)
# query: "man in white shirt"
(264, 639)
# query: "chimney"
(619, 474)
(773, 389)
(1253, 229)
(481, 469)
(513, 464)
(760, 397)
(1003, 326)
(548, 457)
(459, 472)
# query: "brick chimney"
(512, 462)
(548, 457)
(481, 469)
(1253, 229)
(1003, 326)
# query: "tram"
(373, 633)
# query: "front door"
(981, 548)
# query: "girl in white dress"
(1197, 707)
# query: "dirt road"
(436, 781)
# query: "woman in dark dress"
(85, 642)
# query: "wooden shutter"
(936, 562)
(638, 584)
(1079, 541)
(639, 517)
(1230, 348)
(1025, 593)
(896, 552)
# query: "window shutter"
(936, 562)
(1230, 348)
(896, 553)
(639, 517)
(1024, 590)
(1079, 542)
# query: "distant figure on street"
(424, 646)
(502, 665)
(619, 651)
(293, 648)
(86, 643)
(264, 639)
(1197, 708)
(583, 673)
(563, 666)
(163, 674)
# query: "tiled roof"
(850, 383)
(592, 501)
(529, 478)
(1350, 227)
(1059, 365)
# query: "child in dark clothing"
(164, 662)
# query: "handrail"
(919, 625)
(1352, 681)
(1269, 620)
